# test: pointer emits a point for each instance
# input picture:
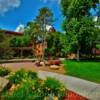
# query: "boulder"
(54, 67)
(3, 83)
(54, 62)
(42, 64)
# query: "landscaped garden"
(25, 85)
(43, 48)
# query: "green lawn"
(85, 70)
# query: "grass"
(85, 70)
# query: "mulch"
(73, 96)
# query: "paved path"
(84, 88)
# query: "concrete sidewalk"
(84, 88)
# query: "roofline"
(11, 32)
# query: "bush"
(32, 75)
(30, 87)
(25, 91)
(4, 71)
(20, 75)
(54, 88)
(16, 78)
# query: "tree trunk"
(21, 53)
(78, 54)
(43, 55)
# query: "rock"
(54, 62)
(47, 63)
(37, 63)
(3, 83)
(42, 63)
(62, 59)
(57, 62)
(54, 67)
(71, 56)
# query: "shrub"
(30, 87)
(26, 91)
(32, 75)
(17, 77)
(4, 71)
(54, 88)
(20, 75)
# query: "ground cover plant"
(25, 85)
(4, 71)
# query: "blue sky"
(16, 12)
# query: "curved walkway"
(84, 88)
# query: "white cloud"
(6, 5)
(20, 28)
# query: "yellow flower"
(49, 89)
(55, 98)
(39, 90)
(18, 85)
(42, 82)
(63, 89)
(45, 98)
(33, 88)
(24, 80)
(13, 87)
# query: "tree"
(22, 41)
(76, 8)
(33, 31)
(80, 36)
(5, 50)
(45, 17)
(53, 44)
(63, 44)
(37, 28)
(78, 25)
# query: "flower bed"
(27, 86)
(4, 71)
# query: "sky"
(19, 12)
(14, 13)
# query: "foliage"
(78, 25)
(76, 8)
(56, 44)
(98, 46)
(33, 30)
(16, 78)
(80, 34)
(54, 88)
(32, 75)
(5, 51)
(53, 44)
(30, 87)
(63, 44)
(25, 91)
(4, 71)
(22, 41)
(37, 28)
